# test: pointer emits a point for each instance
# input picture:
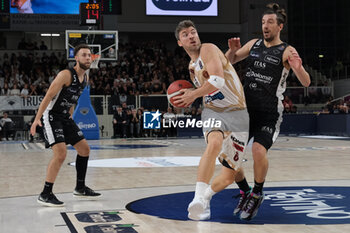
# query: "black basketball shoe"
(49, 200)
(86, 192)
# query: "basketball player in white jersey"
(217, 82)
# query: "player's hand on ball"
(186, 99)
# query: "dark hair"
(183, 25)
(80, 46)
(274, 8)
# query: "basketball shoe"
(86, 192)
(243, 197)
(49, 200)
(199, 209)
(252, 206)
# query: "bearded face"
(84, 66)
(83, 58)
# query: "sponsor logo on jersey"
(281, 47)
(196, 82)
(272, 59)
(253, 85)
(211, 97)
(259, 64)
(200, 64)
(72, 90)
(253, 54)
(276, 51)
(205, 74)
(259, 77)
(235, 140)
(284, 79)
(65, 103)
(267, 129)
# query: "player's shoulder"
(288, 50)
(64, 76)
(65, 72)
(252, 41)
(209, 48)
(248, 46)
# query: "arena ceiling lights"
(49, 34)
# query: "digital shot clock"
(90, 14)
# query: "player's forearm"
(303, 76)
(204, 90)
(231, 56)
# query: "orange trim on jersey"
(213, 92)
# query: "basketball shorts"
(235, 130)
(59, 128)
(264, 127)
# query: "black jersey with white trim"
(67, 96)
(265, 79)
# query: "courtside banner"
(8, 103)
(182, 7)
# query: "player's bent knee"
(61, 157)
(82, 148)
(259, 152)
(215, 140)
(228, 175)
(85, 151)
(229, 180)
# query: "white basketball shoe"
(199, 209)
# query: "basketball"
(174, 90)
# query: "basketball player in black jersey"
(56, 110)
(269, 62)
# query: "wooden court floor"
(294, 161)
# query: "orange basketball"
(174, 90)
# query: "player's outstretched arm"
(296, 65)
(62, 79)
(236, 52)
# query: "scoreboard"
(90, 14)
(4, 6)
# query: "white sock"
(209, 193)
(200, 189)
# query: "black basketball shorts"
(264, 127)
(60, 129)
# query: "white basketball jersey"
(229, 98)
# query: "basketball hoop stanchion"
(84, 114)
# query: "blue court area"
(117, 147)
(54, 7)
(282, 205)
